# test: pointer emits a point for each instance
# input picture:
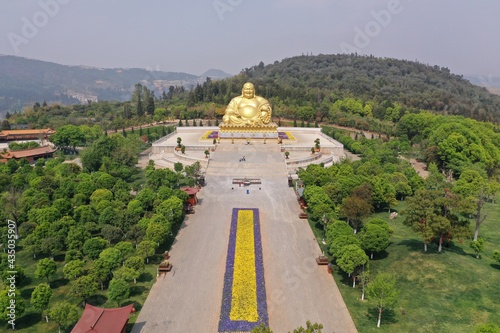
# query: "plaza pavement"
(188, 299)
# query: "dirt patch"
(419, 167)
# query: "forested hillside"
(316, 82)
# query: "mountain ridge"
(24, 81)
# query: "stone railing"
(304, 160)
(184, 157)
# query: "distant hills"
(26, 81)
(492, 83)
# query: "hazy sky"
(193, 36)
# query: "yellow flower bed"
(290, 136)
(244, 291)
(205, 136)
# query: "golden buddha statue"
(248, 109)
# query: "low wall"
(188, 158)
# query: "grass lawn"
(448, 292)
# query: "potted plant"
(179, 146)
(287, 153)
(207, 153)
(183, 149)
(316, 144)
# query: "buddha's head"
(248, 90)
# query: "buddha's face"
(248, 90)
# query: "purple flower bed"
(282, 135)
(213, 135)
(225, 323)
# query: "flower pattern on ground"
(244, 295)
(244, 292)
(210, 135)
(286, 136)
(215, 134)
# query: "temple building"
(26, 134)
(30, 154)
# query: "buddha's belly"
(248, 111)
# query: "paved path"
(188, 299)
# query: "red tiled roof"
(102, 320)
(28, 152)
(28, 131)
(190, 190)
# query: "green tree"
(83, 287)
(159, 114)
(336, 229)
(172, 209)
(478, 190)
(150, 106)
(136, 263)
(496, 256)
(119, 290)
(146, 249)
(74, 269)
(435, 213)
(126, 249)
(137, 99)
(337, 246)
(178, 166)
(146, 197)
(101, 271)
(68, 136)
(262, 328)
(64, 314)
(45, 268)
(40, 298)
(382, 291)
(157, 233)
(77, 236)
(73, 255)
(383, 193)
(100, 195)
(477, 246)
(352, 259)
(94, 246)
(126, 273)
(310, 328)
(112, 257)
(364, 279)
(51, 245)
(374, 238)
(355, 209)
(112, 234)
(136, 234)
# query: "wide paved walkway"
(188, 299)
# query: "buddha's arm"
(265, 111)
(232, 108)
